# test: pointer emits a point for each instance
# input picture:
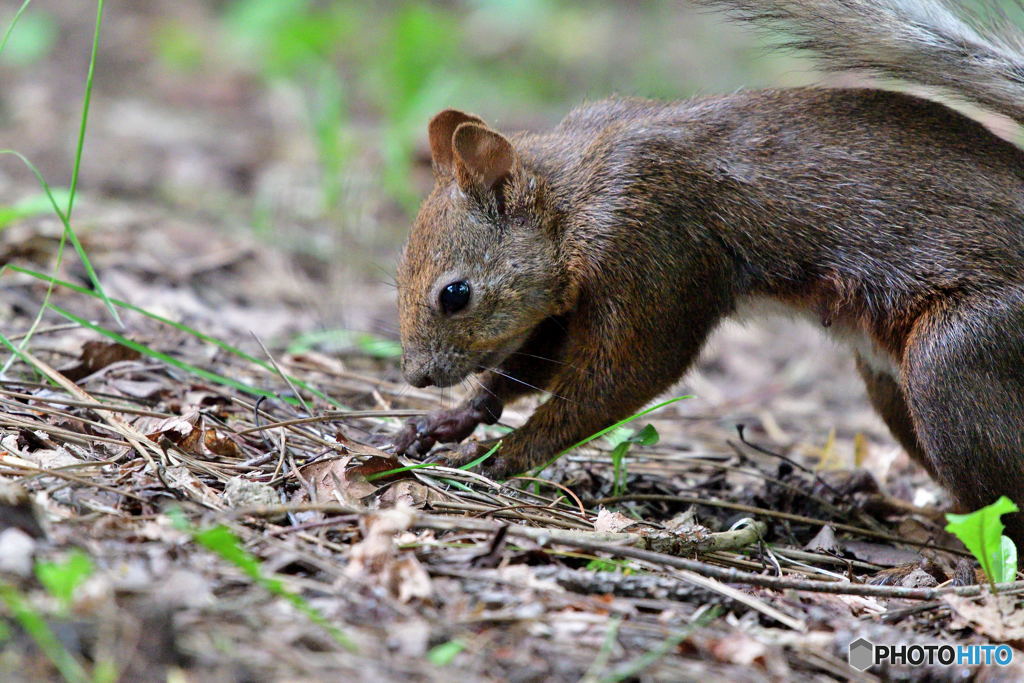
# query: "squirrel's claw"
(421, 433)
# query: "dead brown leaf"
(997, 616)
(332, 479)
(97, 355)
(376, 558)
(878, 553)
(182, 479)
(179, 430)
(220, 445)
(407, 492)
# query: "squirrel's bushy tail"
(976, 57)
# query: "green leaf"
(618, 456)
(982, 532)
(1009, 556)
(33, 623)
(62, 579)
(648, 436)
(619, 436)
(607, 430)
(445, 653)
(605, 564)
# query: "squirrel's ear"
(440, 131)
(483, 158)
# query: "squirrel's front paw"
(420, 434)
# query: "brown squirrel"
(593, 261)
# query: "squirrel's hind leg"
(963, 376)
(890, 403)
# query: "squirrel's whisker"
(526, 384)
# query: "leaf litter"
(436, 572)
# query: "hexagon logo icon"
(862, 654)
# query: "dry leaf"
(608, 521)
(16, 552)
(181, 478)
(880, 554)
(97, 355)
(331, 480)
(996, 616)
(409, 493)
(355, 448)
(220, 445)
(376, 464)
(137, 389)
(45, 458)
(824, 542)
(406, 578)
(242, 493)
(376, 557)
(176, 429)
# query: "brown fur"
(602, 254)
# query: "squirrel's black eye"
(454, 297)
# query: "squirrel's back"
(854, 206)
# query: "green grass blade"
(423, 465)
(224, 346)
(14, 349)
(42, 634)
(56, 266)
(65, 216)
(69, 233)
(86, 101)
(492, 451)
(10, 26)
(223, 542)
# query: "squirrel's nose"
(419, 379)
(417, 374)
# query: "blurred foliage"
(33, 41)
(32, 205)
(401, 61)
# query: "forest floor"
(204, 489)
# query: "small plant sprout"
(622, 440)
(982, 532)
(62, 579)
(610, 430)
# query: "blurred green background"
(302, 122)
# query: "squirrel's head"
(480, 269)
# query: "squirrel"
(592, 262)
